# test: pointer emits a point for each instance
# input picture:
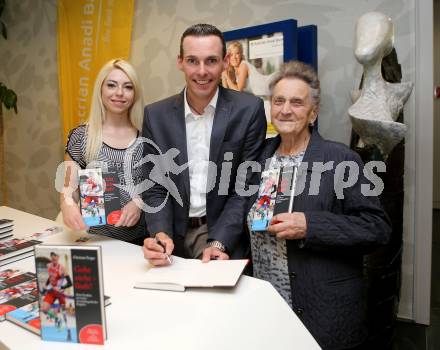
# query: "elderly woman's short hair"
(301, 71)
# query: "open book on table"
(183, 273)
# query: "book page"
(194, 273)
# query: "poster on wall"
(89, 33)
(256, 54)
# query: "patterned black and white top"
(269, 255)
(112, 157)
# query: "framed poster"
(308, 45)
(256, 53)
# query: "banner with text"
(90, 33)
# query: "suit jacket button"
(292, 275)
(299, 311)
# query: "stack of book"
(16, 249)
(19, 304)
(14, 304)
(17, 289)
(6, 227)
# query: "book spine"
(292, 190)
(87, 296)
(17, 245)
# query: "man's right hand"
(154, 252)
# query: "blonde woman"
(114, 125)
(236, 75)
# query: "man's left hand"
(288, 226)
(212, 253)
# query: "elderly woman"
(313, 255)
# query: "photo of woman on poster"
(252, 63)
(236, 75)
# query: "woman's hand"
(230, 72)
(72, 216)
(288, 226)
(130, 215)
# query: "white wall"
(33, 137)
(159, 24)
(423, 161)
(436, 192)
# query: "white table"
(250, 316)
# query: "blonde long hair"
(97, 109)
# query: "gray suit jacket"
(239, 127)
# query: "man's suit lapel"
(221, 120)
(179, 129)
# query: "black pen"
(158, 241)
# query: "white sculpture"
(378, 104)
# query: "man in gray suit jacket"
(204, 134)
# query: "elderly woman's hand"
(288, 226)
(130, 215)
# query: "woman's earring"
(312, 123)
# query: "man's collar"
(212, 103)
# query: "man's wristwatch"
(217, 244)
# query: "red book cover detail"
(112, 197)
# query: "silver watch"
(217, 244)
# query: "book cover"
(17, 296)
(100, 198)
(15, 279)
(71, 293)
(15, 247)
(16, 291)
(285, 190)
(8, 273)
(45, 233)
(27, 316)
(266, 200)
(91, 191)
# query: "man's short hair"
(203, 29)
(53, 254)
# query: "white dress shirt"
(198, 138)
